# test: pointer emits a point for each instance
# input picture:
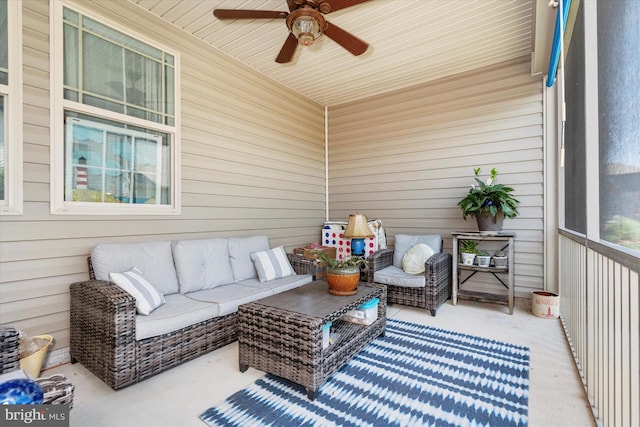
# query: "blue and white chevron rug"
(413, 376)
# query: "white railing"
(600, 311)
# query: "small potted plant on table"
(342, 275)
(500, 259)
(484, 259)
(468, 251)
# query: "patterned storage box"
(332, 237)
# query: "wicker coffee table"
(282, 334)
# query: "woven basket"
(33, 362)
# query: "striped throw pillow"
(147, 297)
(272, 264)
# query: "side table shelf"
(458, 268)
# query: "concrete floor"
(178, 396)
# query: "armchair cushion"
(404, 242)
(414, 259)
(395, 276)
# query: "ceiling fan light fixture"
(306, 29)
(307, 25)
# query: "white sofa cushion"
(229, 297)
(395, 276)
(414, 259)
(404, 242)
(272, 264)
(147, 297)
(240, 249)
(282, 284)
(154, 259)
(178, 312)
(202, 264)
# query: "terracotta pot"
(343, 281)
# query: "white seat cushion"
(229, 297)
(282, 284)
(178, 312)
(395, 276)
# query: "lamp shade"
(357, 228)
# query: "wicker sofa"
(202, 282)
(428, 290)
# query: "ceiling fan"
(306, 24)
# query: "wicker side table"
(282, 334)
(301, 263)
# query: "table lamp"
(357, 230)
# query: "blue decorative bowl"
(20, 392)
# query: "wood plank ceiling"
(411, 42)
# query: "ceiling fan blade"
(346, 40)
(248, 14)
(288, 49)
(341, 4)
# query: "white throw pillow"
(147, 297)
(414, 259)
(272, 264)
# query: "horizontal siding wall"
(407, 158)
(252, 163)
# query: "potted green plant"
(489, 202)
(500, 259)
(484, 259)
(342, 275)
(468, 251)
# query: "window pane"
(619, 121)
(3, 159)
(71, 16)
(109, 163)
(119, 73)
(121, 39)
(4, 44)
(71, 59)
(102, 67)
(169, 91)
(574, 165)
(144, 82)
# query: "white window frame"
(13, 169)
(60, 206)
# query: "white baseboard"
(57, 357)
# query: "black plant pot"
(491, 223)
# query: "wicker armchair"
(429, 293)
